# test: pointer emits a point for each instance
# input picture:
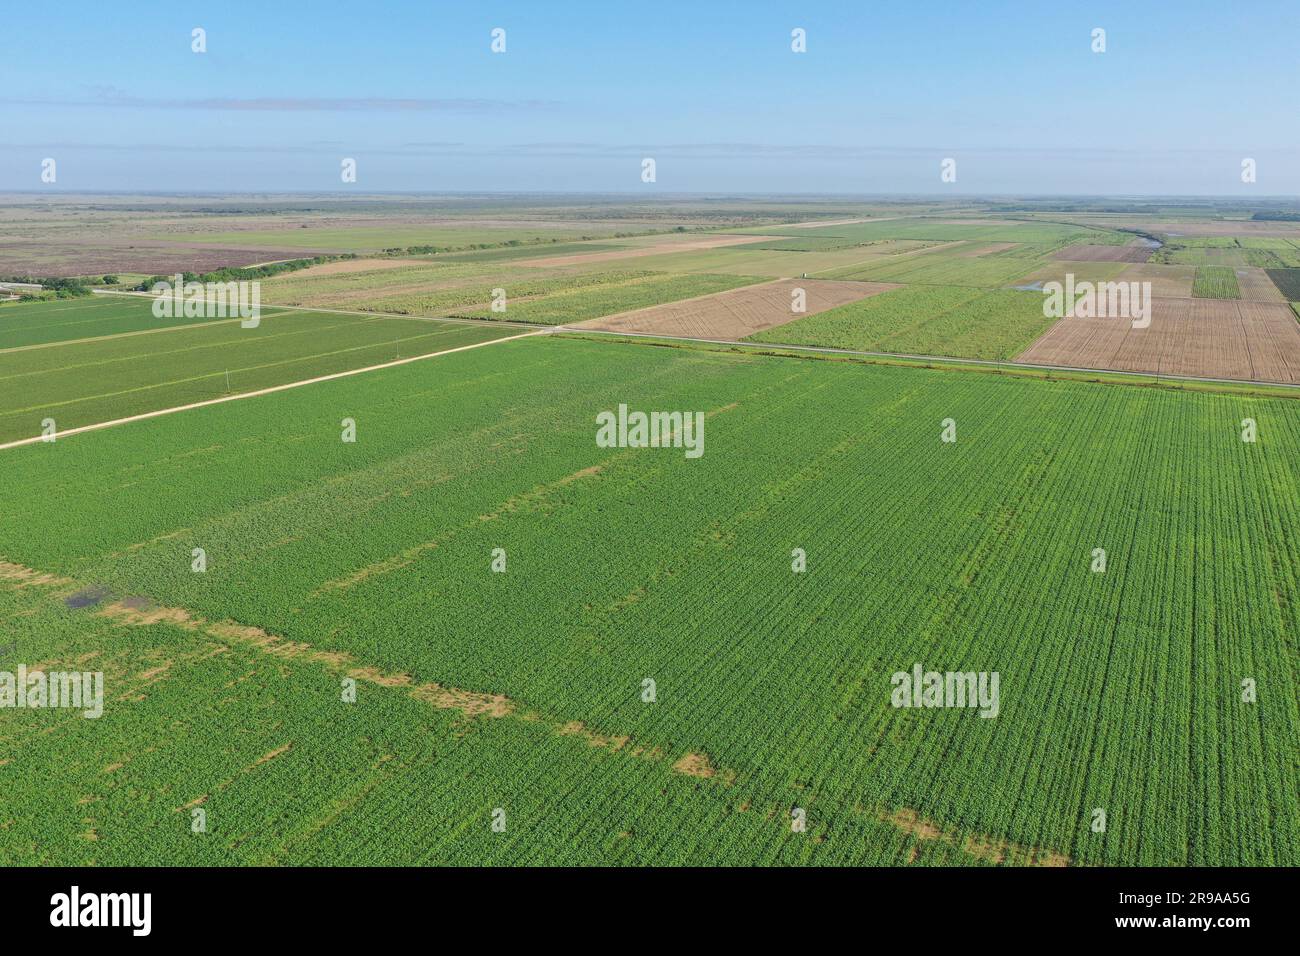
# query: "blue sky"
(710, 90)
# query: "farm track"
(263, 391)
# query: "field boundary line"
(496, 323)
(694, 298)
(939, 359)
(122, 335)
(156, 413)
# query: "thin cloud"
(291, 104)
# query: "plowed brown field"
(1085, 253)
(1209, 338)
(1256, 286)
(1166, 281)
(739, 312)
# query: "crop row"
(1120, 690)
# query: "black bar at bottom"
(333, 906)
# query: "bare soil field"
(54, 257)
(658, 249)
(1256, 286)
(1211, 338)
(1173, 282)
(1195, 227)
(1086, 253)
(739, 312)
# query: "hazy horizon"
(585, 92)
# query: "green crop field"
(26, 324)
(1223, 258)
(718, 436)
(939, 268)
(595, 299)
(540, 250)
(530, 295)
(1054, 270)
(349, 289)
(87, 381)
(1215, 282)
(1287, 282)
(925, 320)
(524, 692)
(769, 263)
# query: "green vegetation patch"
(773, 688)
(940, 268)
(591, 300)
(81, 383)
(924, 320)
(1215, 282)
(39, 323)
(1287, 282)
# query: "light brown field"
(1256, 286)
(657, 249)
(819, 223)
(739, 312)
(1086, 253)
(1195, 227)
(1209, 338)
(1225, 227)
(1166, 281)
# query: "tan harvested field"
(739, 312)
(349, 266)
(1233, 227)
(1173, 282)
(1256, 286)
(658, 249)
(67, 257)
(1209, 338)
(1086, 253)
(1195, 227)
(818, 223)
